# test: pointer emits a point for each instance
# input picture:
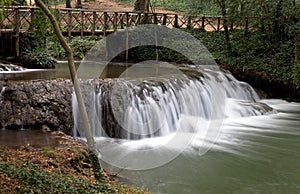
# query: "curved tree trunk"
(82, 109)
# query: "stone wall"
(33, 104)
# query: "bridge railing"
(80, 21)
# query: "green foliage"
(43, 31)
(257, 57)
(175, 5)
(56, 2)
(79, 45)
(35, 180)
(33, 55)
(37, 60)
(98, 171)
(214, 41)
(39, 54)
(201, 7)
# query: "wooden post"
(127, 19)
(82, 23)
(176, 25)
(17, 32)
(138, 20)
(155, 18)
(122, 21)
(69, 22)
(189, 22)
(115, 21)
(105, 23)
(145, 19)
(219, 23)
(94, 22)
(203, 23)
(164, 20)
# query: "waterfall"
(10, 67)
(158, 106)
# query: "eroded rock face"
(36, 103)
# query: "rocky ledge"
(33, 104)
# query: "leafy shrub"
(79, 45)
(34, 55)
(38, 60)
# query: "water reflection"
(61, 71)
(33, 138)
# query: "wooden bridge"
(79, 22)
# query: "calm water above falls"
(251, 149)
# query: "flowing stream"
(203, 132)
(258, 154)
(200, 132)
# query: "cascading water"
(200, 130)
(153, 107)
(10, 67)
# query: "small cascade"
(10, 67)
(152, 107)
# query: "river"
(259, 154)
(250, 154)
(256, 151)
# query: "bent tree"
(98, 171)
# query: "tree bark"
(82, 109)
(68, 4)
(142, 6)
(79, 4)
(225, 24)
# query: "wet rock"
(36, 103)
